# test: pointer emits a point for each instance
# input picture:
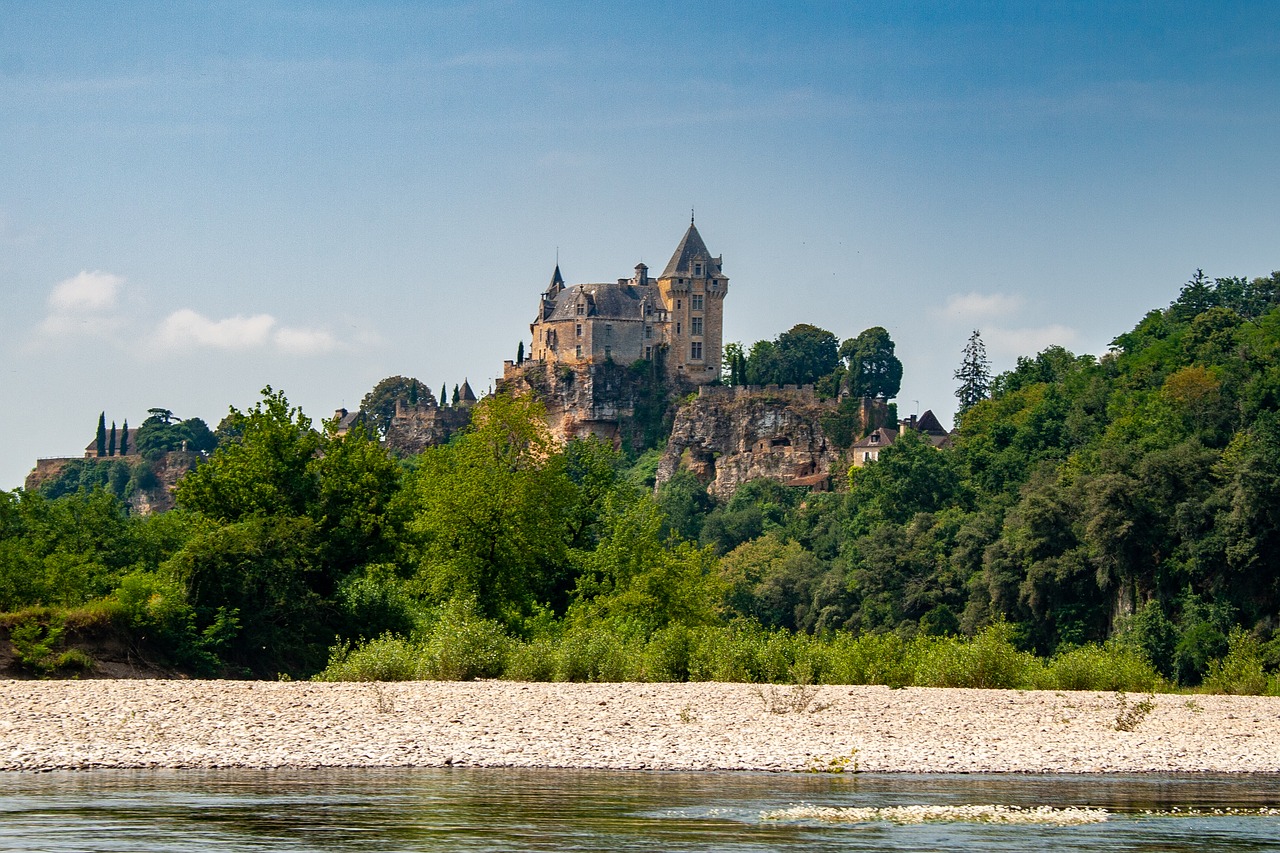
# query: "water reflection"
(488, 809)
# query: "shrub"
(387, 658)
(989, 660)
(1240, 672)
(1112, 667)
(462, 645)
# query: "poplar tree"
(974, 373)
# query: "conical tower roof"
(691, 248)
(466, 394)
(557, 280)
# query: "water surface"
(495, 809)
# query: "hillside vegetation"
(1110, 523)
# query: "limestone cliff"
(727, 436)
(619, 404)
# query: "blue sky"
(197, 200)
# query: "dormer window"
(582, 309)
(875, 438)
(697, 269)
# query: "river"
(466, 809)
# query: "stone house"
(867, 449)
(679, 315)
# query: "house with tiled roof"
(867, 449)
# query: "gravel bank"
(210, 724)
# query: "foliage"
(974, 373)
(379, 406)
(1109, 524)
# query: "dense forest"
(1117, 517)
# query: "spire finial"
(691, 216)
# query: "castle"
(677, 317)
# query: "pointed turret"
(466, 395)
(688, 255)
(557, 282)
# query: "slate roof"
(610, 301)
(929, 424)
(691, 248)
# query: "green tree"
(974, 373)
(806, 354)
(265, 471)
(379, 406)
(124, 439)
(111, 440)
(520, 353)
(490, 513)
(873, 369)
(102, 434)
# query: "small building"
(867, 449)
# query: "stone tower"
(692, 288)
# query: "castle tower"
(692, 288)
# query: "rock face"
(415, 428)
(152, 481)
(727, 436)
(606, 400)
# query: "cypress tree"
(111, 440)
(444, 395)
(102, 434)
(456, 395)
(520, 353)
(124, 439)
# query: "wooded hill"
(1133, 499)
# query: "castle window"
(697, 269)
(677, 304)
(695, 325)
(608, 353)
(582, 309)
(608, 329)
(648, 353)
(648, 332)
(578, 353)
(695, 351)
(677, 328)
(579, 330)
(696, 303)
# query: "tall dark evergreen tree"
(124, 439)
(102, 434)
(111, 440)
(444, 394)
(974, 373)
(520, 353)
(457, 396)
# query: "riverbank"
(48, 725)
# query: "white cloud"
(980, 307)
(185, 329)
(1011, 343)
(84, 304)
(305, 341)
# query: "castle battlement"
(729, 393)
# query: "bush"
(989, 660)
(388, 658)
(1240, 672)
(1112, 667)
